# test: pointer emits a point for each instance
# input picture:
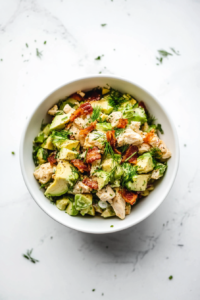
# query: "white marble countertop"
(135, 263)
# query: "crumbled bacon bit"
(141, 104)
(79, 164)
(110, 135)
(131, 149)
(122, 123)
(52, 159)
(91, 183)
(88, 129)
(92, 155)
(128, 196)
(76, 97)
(93, 95)
(84, 110)
(149, 136)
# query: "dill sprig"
(29, 257)
(95, 113)
(159, 128)
(115, 98)
(164, 53)
(156, 153)
(175, 52)
(38, 53)
(150, 119)
(118, 131)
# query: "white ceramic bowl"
(147, 205)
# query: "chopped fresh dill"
(96, 113)
(29, 257)
(118, 131)
(103, 25)
(175, 52)
(130, 156)
(13, 153)
(164, 53)
(159, 128)
(38, 53)
(123, 148)
(45, 42)
(170, 277)
(26, 45)
(156, 153)
(150, 119)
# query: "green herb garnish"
(96, 113)
(38, 53)
(164, 53)
(170, 277)
(26, 45)
(103, 25)
(159, 128)
(45, 42)
(65, 118)
(130, 156)
(111, 225)
(28, 256)
(150, 119)
(156, 153)
(176, 52)
(99, 57)
(13, 153)
(93, 290)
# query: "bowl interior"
(97, 224)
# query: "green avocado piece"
(135, 114)
(72, 102)
(145, 163)
(103, 104)
(42, 155)
(62, 203)
(118, 172)
(65, 178)
(46, 130)
(71, 145)
(59, 121)
(108, 212)
(89, 211)
(138, 183)
(102, 179)
(108, 163)
(161, 167)
(103, 126)
(67, 154)
(48, 144)
(40, 137)
(71, 209)
(83, 201)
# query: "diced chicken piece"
(143, 148)
(80, 93)
(135, 126)
(44, 173)
(74, 131)
(53, 110)
(95, 139)
(94, 165)
(81, 188)
(68, 109)
(165, 152)
(155, 174)
(119, 204)
(106, 194)
(129, 137)
(80, 122)
(154, 142)
(114, 118)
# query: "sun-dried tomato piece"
(80, 165)
(110, 135)
(83, 110)
(52, 159)
(149, 136)
(91, 183)
(92, 155)
(128, 196)
(76, 97)
(141, 104)
(129, 153)
(93, 95)
(88, 129)
(122, 123)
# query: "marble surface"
(134, 263)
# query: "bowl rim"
(172, 179)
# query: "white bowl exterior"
(147, 205)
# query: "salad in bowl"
(100, 153)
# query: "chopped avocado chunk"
(65, 178)
(108, 212)
(48, 144)
(59, 121)
(138, 183)
(126, 104)
(108, 163)
(42, 155)
(102, 179)
(59, 137)
(135, 114)
(46, 130)
(72, 102)
(67, 154)
(62, 203)
(83, 201)
(116, 183)
(71, 145)
(104, 105)
(40, 138)
(103, 126)
(71, 209)
(118, 172)
(89, 211)
(145, 163)
(105, 91)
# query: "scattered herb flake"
(103, 25)
(93, 290)
(28, 256)
(98, 58)
(26, 45)
(45, 42)
(159, 128)
(164, 53)
(1, 59)
(13, 153)
(100, 72)
(185, 145)
(176, 52)
(38, 53)
(111, 225)
(170, 277)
